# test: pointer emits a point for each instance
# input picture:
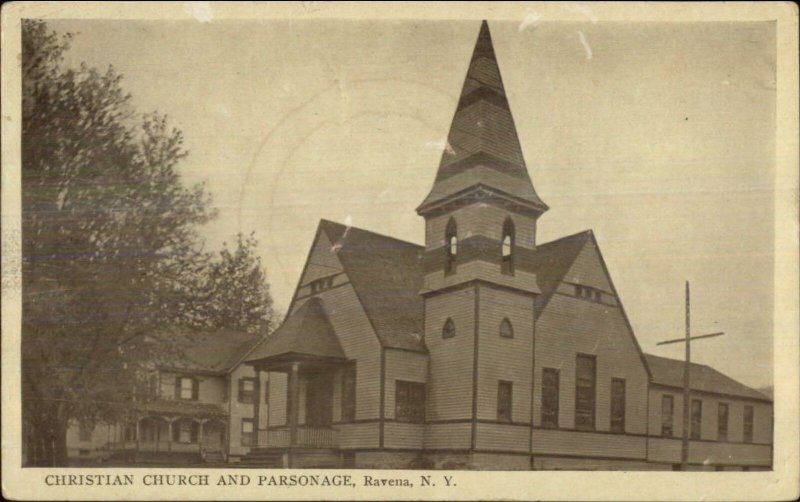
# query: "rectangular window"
(409, 401)
(667, 411)
(585, 378)
(550, 383)
(349, 395)
(505, 393)
(748, 424)
(722, 422)
(186, 388)
(247, 432)
(697, 418)
(86, 429)
(617, 405)
(185, 431)
(247, 388)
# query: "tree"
(109, 235)
(234, 292)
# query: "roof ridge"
(376, 234)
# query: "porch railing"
(307, 437)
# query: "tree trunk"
(60, 458)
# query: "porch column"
(200, 434)
(256, 407)
(138, 431)
(294, 401)
(169, 434)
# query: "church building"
(482, 348)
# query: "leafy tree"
(234, 290)
(109, 235)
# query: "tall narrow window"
(585, 375)
(409, 401)
(617, 405)
(748, 424)
(667, 412)
(187, 388)
(349, 395)
(504, 400)
(247, 387)
(550, 383)
(509, 237)
(722, 422)
(506, 330)
(449, 329)
(451, 246)
(697, 418)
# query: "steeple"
(483, 151)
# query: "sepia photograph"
(359, 247)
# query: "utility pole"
(687, 377)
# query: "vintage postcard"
(417, 251)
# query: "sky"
(660, 137)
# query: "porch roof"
(182, 408)
(305, 334)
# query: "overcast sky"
(658, 136)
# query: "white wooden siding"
(588, 444)
(403, 365)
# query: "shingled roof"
(483, 147)
(387, 275)
(307, 332)
(217, 351)
(669, 372)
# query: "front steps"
(307, 458)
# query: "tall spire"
(483, 147)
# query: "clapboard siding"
(356, 435)
(359, 343)
(480, 270)
(502, 358)
(403, 365)
(480, 219)
(503, 437)
(708, 452)
(450, 384)
(569, 326)
(403, 435)
(588, 444)
(591, 464)
(588, 270)
(456, 436)
(762, 420)
(322, 262)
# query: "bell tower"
(479, 287)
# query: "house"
(482, 348)
(200, 407)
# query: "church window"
(451, 246)
(504, 401)
(667, 412)
(617, 405)
(507, 263)
(321, 284)
(409, 401)
(449, 329)
(585, 379)
(722, 422)
(349, 395)
(550, 384)
(697, 419)
(506, 330)
(748, 424)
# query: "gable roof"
(483, 146)
(552, 260)
(217, 351)
(669, 372)
(386, 274)
(307, 331)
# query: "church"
(482, 348)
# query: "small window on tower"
(449, 330)
(578, 290)
(506, 330)
(451, 246)
(507, 259)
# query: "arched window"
(449, 329)
(451, 246)
(509, 237)
(506, 330)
